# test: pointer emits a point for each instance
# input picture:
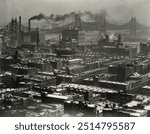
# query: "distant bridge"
(13, 27)
(14, 30)
(77, 24)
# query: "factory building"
(32, 40)
(40, 66)
(122, 71)
(117, 47)
(22, 70)
(124, 51)
(6, 62)
(82, 37)
(10, 80)
(69, 35)
(41, 80)
(145, 48)
(88, 38)
(20, 37)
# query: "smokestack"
(12, 24)
(37, 37)
(29, 25)
(104, 24)
(19, 24)
(19, 31)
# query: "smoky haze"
(117, 11)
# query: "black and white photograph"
(74, 58)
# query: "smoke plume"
(59, 17)
(38, 17)
(97, 16)
(85, 16)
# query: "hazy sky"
(118, 10)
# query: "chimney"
(29, 25)
(104, 24)
(19, 32)
(60, 39)
(37, 37)
(19, 24)
(12, 24)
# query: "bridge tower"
(76, 24)
(12, 34)
(19, 32)
(104, 24)
(133, 28)
(13, 31)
